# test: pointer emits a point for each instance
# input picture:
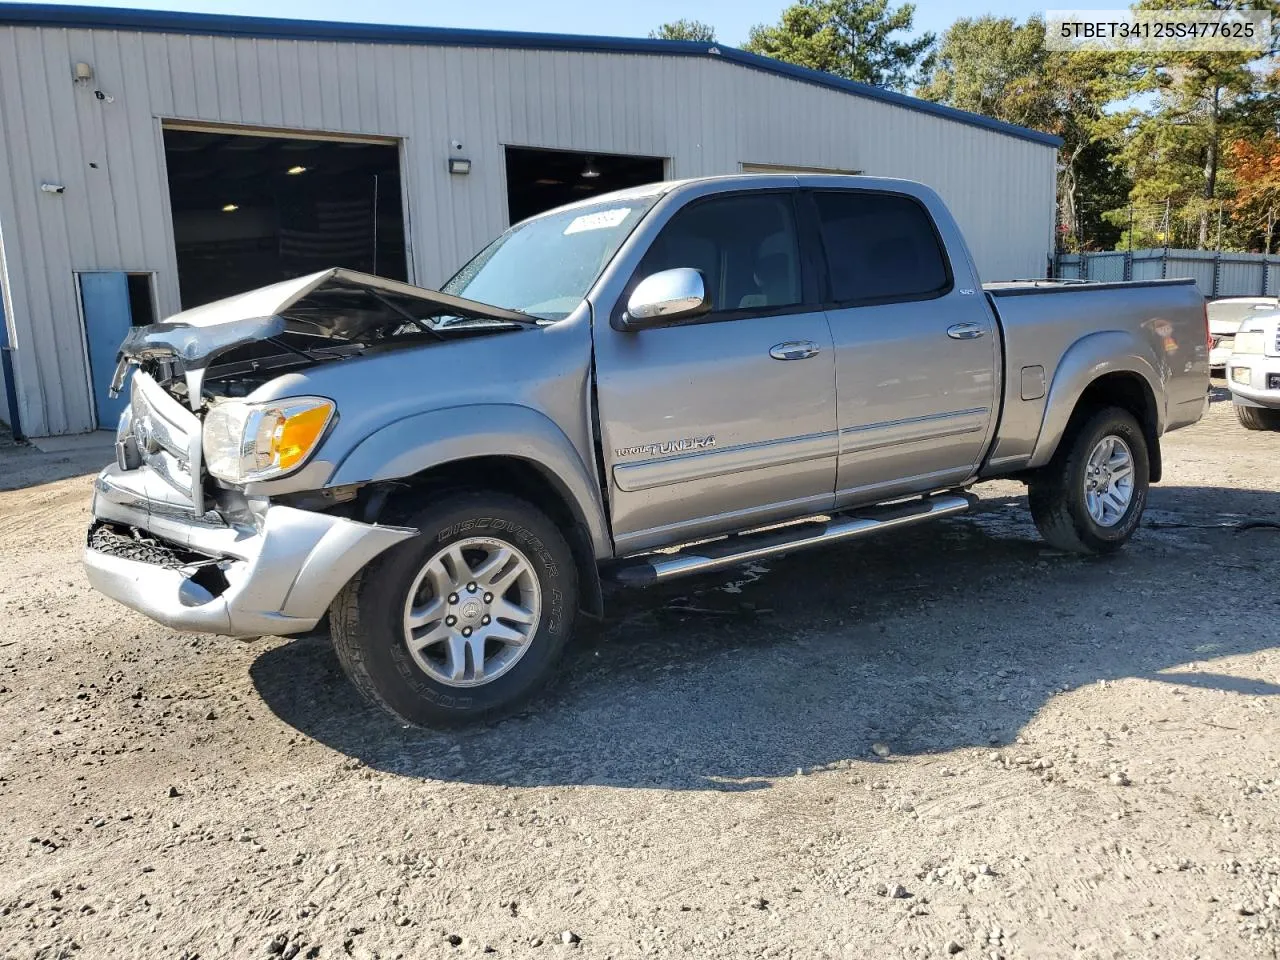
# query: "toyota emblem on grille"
(142, 430)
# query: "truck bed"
(1052, 338)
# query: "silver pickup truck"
(655, 383)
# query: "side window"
(745, 246)
(880, 247)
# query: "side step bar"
(739, 548)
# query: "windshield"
(1226, 314)
(545, 266)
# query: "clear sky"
(731, 18)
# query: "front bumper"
(276, 573)
(1261, 386)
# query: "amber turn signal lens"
(296, 435)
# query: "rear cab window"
(879, 247)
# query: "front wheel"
(1091, 496)
(464, 621)
(1257, 418)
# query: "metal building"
(152, 161)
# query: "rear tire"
(486, 565)
(1080, 501)
(1257, 418)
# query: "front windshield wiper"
(402, 312)
(302, 352)
(422, 325)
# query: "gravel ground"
(950, 742)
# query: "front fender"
(1086, 360)
(420, 442)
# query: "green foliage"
(1158, 148)
(683, 29)
(999, 67)
(994, 66)
(865, 40)
(1201, 101)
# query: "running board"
(739, 548)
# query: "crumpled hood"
(337, 303)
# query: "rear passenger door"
(915, 356)
(726, 420)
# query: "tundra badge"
(667, 446)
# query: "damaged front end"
(273, 572)
(198, 555)
(178, 533)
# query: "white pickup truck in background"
(1253, 369)
(1225, 317)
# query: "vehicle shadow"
(946, 636)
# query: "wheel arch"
(1102, 370)
(505, 448)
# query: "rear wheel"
(1091, 496)
(1257, 418)
(466, 620)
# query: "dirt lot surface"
(952, 742)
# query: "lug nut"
(466, 631)
(453, 598)
(450, 621)
(471, 588)
(488, 598)
(484, 621)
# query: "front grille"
(164, 434)
(202, 570)
(116, 542)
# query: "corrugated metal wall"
(6, 335)
(1217, 273)
(705, 115)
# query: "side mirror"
(667, 295)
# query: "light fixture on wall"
(230, 207)
(590, 171)
(296, 169)
(82, 72)
(460, 166)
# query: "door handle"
(965, 331)
(794, 350)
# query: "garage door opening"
(251, 210)
(538, 180)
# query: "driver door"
(728, 420)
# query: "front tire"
(1090, 498)
(466, 620)
(1257, 418)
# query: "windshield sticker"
(597, 221)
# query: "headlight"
(244, 442)
(1250, 341)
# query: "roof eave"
(210, 24)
